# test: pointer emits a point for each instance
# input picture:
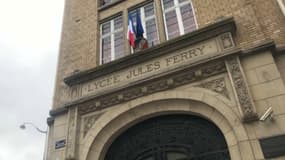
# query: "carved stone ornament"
(89, 121)
(72, 133)
(217, 85)
(227, 41)
(241, 90)
(156, 85)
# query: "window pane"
(187, 18)
(149, 10)
(106, 49)
(151, 32)
(168, 3)
(118, 22)
(119, 45)
(106, 28)
(172, 24)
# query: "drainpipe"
(281, 5)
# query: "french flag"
(131, 33)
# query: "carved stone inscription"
(151, 68)
(156, 85)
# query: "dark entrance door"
(171, 137)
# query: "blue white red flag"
(139, 28)
(131, 33)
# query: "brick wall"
(271, 19)
(256, 20)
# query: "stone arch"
(203, 104)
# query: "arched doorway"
(170, 137)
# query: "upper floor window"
(106, 2)
(112, 42)
(178, 17)
(147, 15)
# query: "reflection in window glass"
(172, 24)
(168, 4)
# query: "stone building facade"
(210, 85)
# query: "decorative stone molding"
(72, 133)
(89, 121)
(226, 41)
(241, 90)
(159, 84)
(217, 85)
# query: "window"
(147, 14)
(178, 17)
(106, 2)
(112, 42)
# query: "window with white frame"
(112, 40)
(106, 2)
(178, 17)
(148, 19)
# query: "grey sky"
(29, 39)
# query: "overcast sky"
(29, 41)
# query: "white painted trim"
(112, 40)
(179, 17)
(194, 14)
(100, 56)
(143, 19)
(282, 6)
(164, 20)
